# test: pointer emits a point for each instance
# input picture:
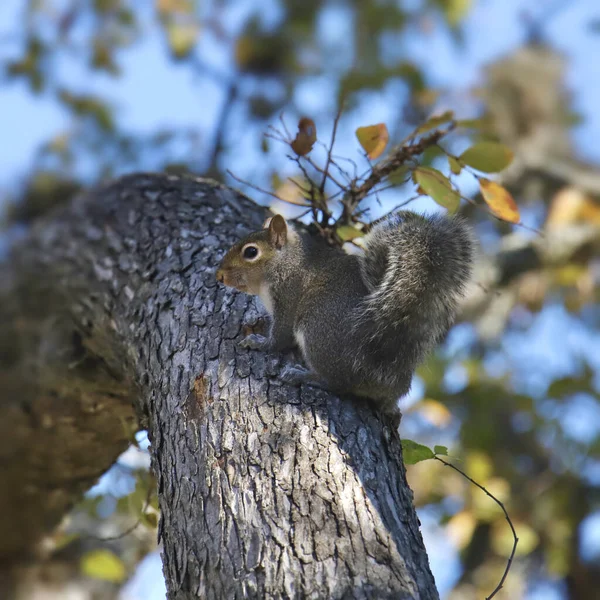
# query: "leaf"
(455, 165)
(414, 453)
(460, 528)
(373, 139)
(441, 450)
(488, 157)
(456, 10)
(347, 233)
(289, 192)
(165, 7)
(499, 200)
(305, 138)
(472, 123)
(438, 186)
(104, 565)
(435, 412)
(434, 122)
(182, 38)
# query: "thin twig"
(302, 189)
(221, 128)
(261, 190)
(276, 135)
(352, 162)
(315, 166)
(341, 171)
(289, 137)
(499, 503)
(333, 134)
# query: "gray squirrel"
(362, 322)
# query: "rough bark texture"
(265, 490)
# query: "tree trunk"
(110, 308)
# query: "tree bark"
(109, 308)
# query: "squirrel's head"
(243, 267)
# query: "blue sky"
(154, 93)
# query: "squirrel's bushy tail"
(416, 269)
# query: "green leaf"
(441, 450)
(347, 233)
(434, 122)
(438, 186)
(399, 176)
(488, 157)
(455, 165)
(104, 565)
(414, 453)
(472, 123)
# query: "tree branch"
(264, 490)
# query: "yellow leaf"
(182, 38)
(499, 200)
(571, 205)
(165, 7)
(347, 233)
(456, 10)
(460, 529)
(435, 412)
(373, 139)
(289, 192)
(103, 564)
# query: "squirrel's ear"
(278, 232)
(267, 223)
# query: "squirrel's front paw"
(254, 341)
(296, 375)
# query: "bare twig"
(324, 172)
(221, 128)
(512, 528)
(302, 189)
(261, 190)
(289, 137)
(329, 152)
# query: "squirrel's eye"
(250, 252)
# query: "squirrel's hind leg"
(296, 375)
(255, 341)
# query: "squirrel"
(363, 323)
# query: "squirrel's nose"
(220, 275)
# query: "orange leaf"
(373, 139)
(305, 138)
(499, 200)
